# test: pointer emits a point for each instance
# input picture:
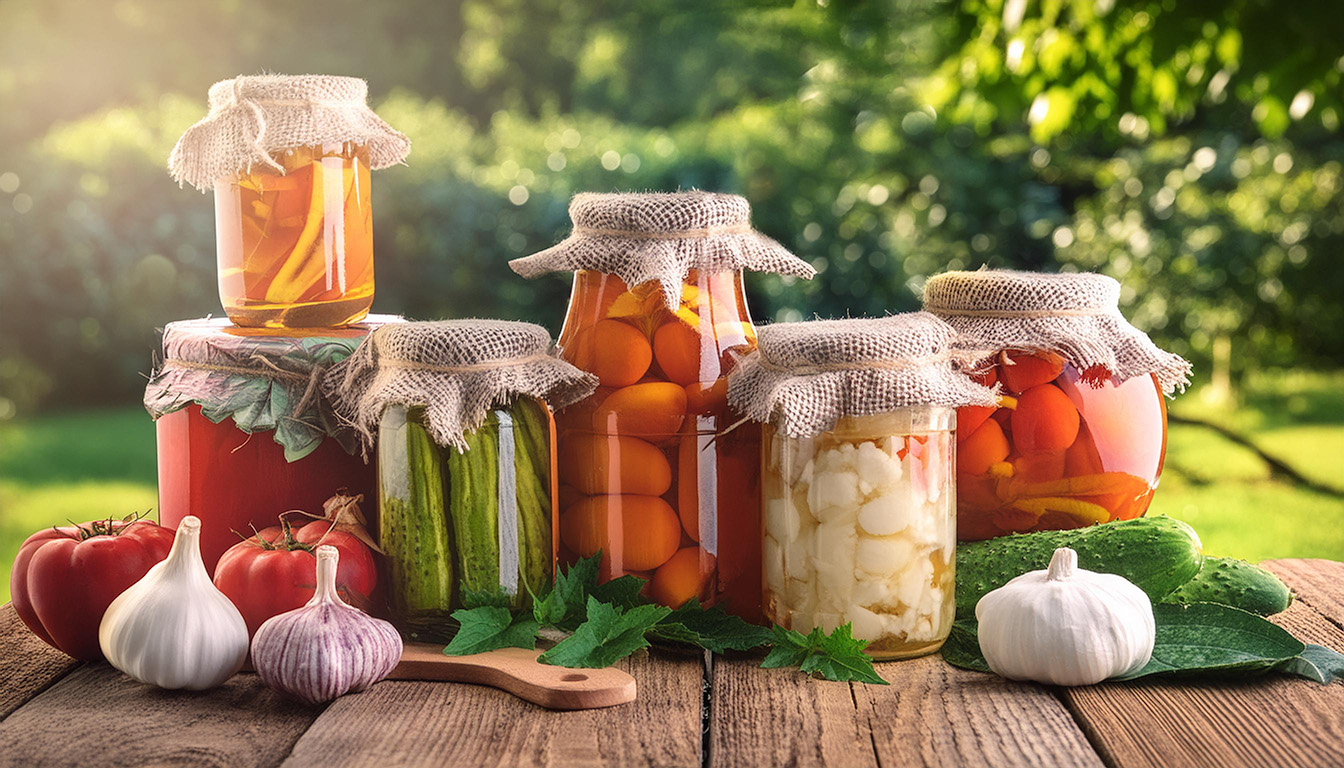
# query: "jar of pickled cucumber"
(289, 161)
(466, 462)
(858, 495)
(244, 431)
(650, 474)
(1079, 432)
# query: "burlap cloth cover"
(252, 117)
(655, 236)
(1075, 315)
(457, 369)
(259, 379)
(803, 377)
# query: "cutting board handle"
(517, 671)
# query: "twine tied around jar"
(1075, 315)
(251, 118)
(804, 377)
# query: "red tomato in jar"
(276, 571)
(65, 577)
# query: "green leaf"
(837, 656)
(622, 591)
(564, 606)
(711, 628)
(608, 635)
(1207, 638)
(962, 648)
(1315, 663)
(489, 627)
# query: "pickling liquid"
(296, 248)
(650, 474)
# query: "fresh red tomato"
(65, 577)
(276, 570)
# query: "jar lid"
(254, 116)
(261, 378)
(641, 237)
(803, 377)
(1075, 315)
(456, 369)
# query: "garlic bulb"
(172, 628)
(1065, 625)
(326, 648)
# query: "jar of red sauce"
(655, 470)
(244, 432)
(1079, 433)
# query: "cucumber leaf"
(622, 591)
(837, 656)
(490, 627)
(962, 648)
(713, 629)
(1315, 663)
(608, 635)
(1212, 639)
(565, 605)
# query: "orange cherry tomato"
(1082, 458)
(703, 400)
(681, 577)
(616, 352)
(636, 533)
(1045, 420)
(970, 417)
(677, 348)
(1039, 466)
(595, 464)
(986, 446)
(1025, 370)
(688, 482)
(650, 410)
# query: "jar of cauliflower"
(857, 486)
(860, 529)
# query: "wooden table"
(692, 711)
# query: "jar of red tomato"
(244, 432)
(1079, 433)
(650, 474)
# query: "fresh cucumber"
(1157, 553)
(1236, 583)
(413, 523)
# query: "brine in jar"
(295, 247)
(860, 529)
(650, 476)
(1062, 449)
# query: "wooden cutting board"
(517, 671)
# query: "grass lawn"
(90, 464)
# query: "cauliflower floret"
(923, 630)
(874, 591)
(867, 625)
(834, 496)
(884, 556)
(773, 557)
(876, 470)
(799, 498)
(833, 561)
(781, 519)
(913, 581)
(798, 554)
(890, 513)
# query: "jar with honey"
(651, 476)
(289, 159)
(1079, 432)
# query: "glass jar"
(650, 474)
(860, 528)
(458, 527)
(296, 247)
(236, 482)
(1063, 449)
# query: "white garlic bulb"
(172, 628)
(1066, 625)
(326, 648)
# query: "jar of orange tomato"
(1079, 433)
(289, 161)
(650, 474)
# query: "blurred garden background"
(1192, 150)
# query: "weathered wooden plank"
(1320, 583)
(1265, 721)
(931, 714)
(27, 665)
(97, 716)
(431, 724)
